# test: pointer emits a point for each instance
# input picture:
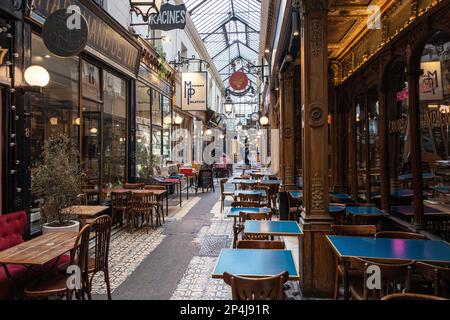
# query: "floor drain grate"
(213, 245)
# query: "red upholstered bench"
(12, 227)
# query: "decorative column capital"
(306, 6)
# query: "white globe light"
(37, 76)
(178, 120)
(222, 136)
(208, 132)
(264, 121)
(168, 120)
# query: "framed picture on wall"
(430, 81)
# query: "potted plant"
(148, 162)
(56, 182)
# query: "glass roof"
(230, 32)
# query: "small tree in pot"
(56, 181)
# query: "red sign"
(403, 95)
(239, 81)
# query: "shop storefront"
(397, 107)
(90, 98)
(154, 112)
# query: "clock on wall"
(255, 117)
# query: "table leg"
(181, 194)
(345, 280)
(167, 200)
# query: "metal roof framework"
(230, 30)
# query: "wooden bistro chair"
(260, 244)
(340, 215)
(141, 207)
(120, 205)
(410, 296)
(224, 193)
(400, 235)
(159, 201)
(265, 200)
(435, 279)
(295, 208)
(270, 288)
(244, 216)
(99, 263)
(367, 219)
(272, 193)
(56, 285)
(395, 278)
(350, 231)
(249, 198)
(245, 204)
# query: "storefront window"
(373, 110)
(399, 137)
(56, 109)
(157, 141)
(115, 129)
(143, 130)
(156, 108)
(434, 91)
(361, 138)
(167, 134)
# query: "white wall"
(119, 10)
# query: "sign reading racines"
(170, 17)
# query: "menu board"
(205, 179)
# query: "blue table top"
(409, 176)
(296, 194)
(273, 228)
(391, 249)
(255, 263)
(341, 196)
(234, 212)
(334, 209)
(250, 192)
(363, 210)
(441, 189)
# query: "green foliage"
(57, 179)
(147, 161)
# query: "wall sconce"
(54, 121)
(264, 121)
(145, 8)
(178, 120)
(94, 131)
(37, 78)
(76, 122)
(295, 28)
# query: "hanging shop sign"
(194, 91)
(430, 82)
(170, 17)
(106, 40)
(239, 81)
(65, 32)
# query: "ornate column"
(317, 261)
(281, 110)
(288, 132)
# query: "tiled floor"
(131, 253)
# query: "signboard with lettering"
(103, 40)
(170, 17)
(65, 32)
(430, 81)
(194, 93)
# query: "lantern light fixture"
(145, 8)
(228, 105)
(168, 120)
(178, 120)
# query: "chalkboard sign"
(205, 180)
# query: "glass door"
(91, 145)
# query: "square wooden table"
(234, 212)
(39, 251)
(85, 213)
(399, 250)
(255, 263)
(354, 211)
